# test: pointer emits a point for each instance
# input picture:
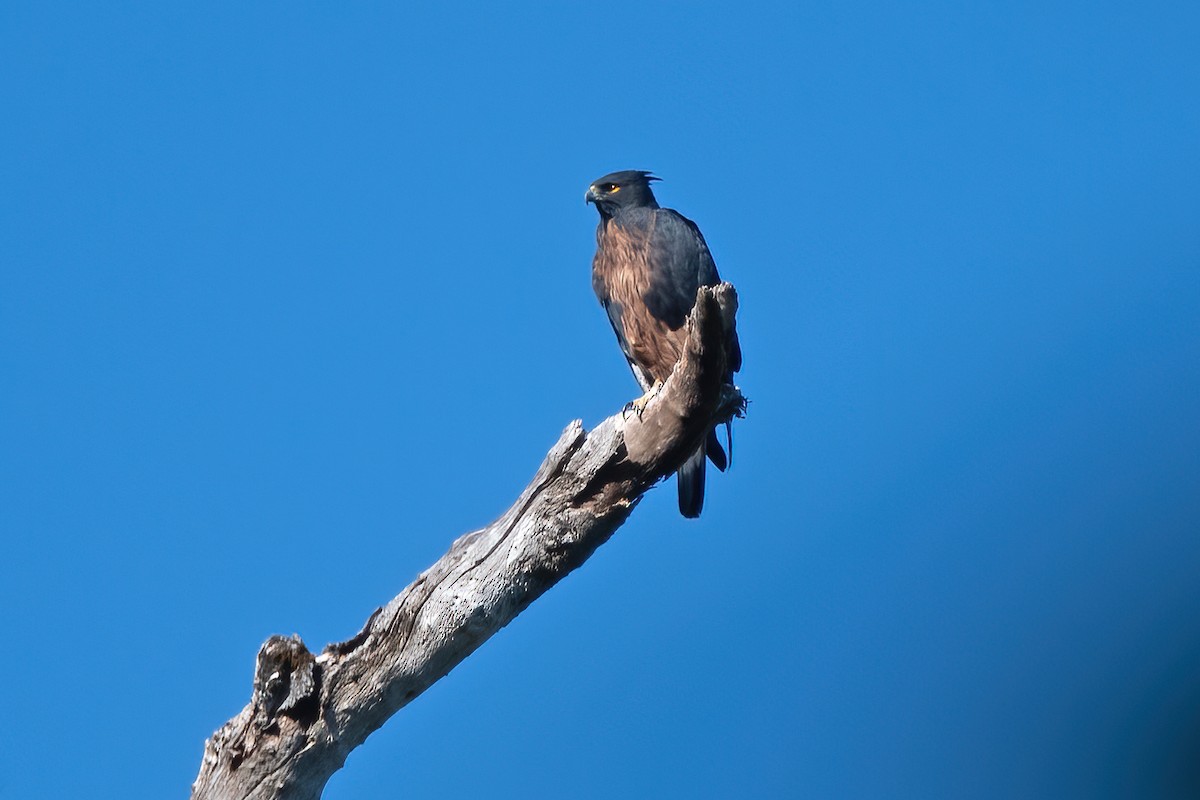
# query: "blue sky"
(293, 295)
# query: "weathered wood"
(307, 713)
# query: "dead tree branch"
(308, 712)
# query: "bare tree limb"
(308, 712)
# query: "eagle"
(649, 263)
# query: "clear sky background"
(292, 295)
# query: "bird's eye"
(611, 188)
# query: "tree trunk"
(308, 712)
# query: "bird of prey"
(649, 263)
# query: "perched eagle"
(649, 263)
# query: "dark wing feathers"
(680, 264)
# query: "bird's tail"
(691, 484)
(716, 453)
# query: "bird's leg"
(638, 406)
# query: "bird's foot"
(638, 407)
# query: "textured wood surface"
(307, 712)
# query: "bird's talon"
(638, 407)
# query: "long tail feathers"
(728, 439)
(716, 454)
(691, 484)
(691, 474)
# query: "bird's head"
(621, 190)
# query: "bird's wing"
(680, 264)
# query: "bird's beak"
(590, 197)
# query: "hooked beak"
(591, 195)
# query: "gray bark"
(308, 712)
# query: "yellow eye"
(611, 188)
